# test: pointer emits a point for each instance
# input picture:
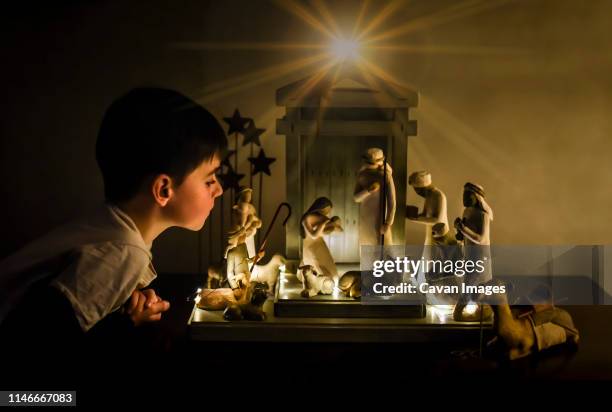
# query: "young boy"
(158, 152)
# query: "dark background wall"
(520, 104)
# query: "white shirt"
(108, 260)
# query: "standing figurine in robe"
(434, 212)
(238, 256)
(445, 248)
(244, 216)
(370, 186)
(434, 208)
(237, 263)
(474, 230)
(316, 223)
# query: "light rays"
(455, 12)
(312, 81)
(366, 37)
(472, 146)
(440, 49)
(229, 86)
(303, 14)
(359, 19)
(262, 46)
(473, 140)
(327, 16)
(376, 35)
(380, 18)
(369, 67)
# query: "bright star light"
(345, 49)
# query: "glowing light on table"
(470, 309)
(442, 312)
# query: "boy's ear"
(162, 189)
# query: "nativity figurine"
(244, 222)
(316, 223)
(375, 193)
(523, 330)
(434, 207)
(248, 306)
(350, 284)
(314, 283)
(474, 231)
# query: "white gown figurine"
(367, 193)
(238, 273)
(244, 224)
(434, 208)
(445, 248)
(474, 230)
(244, 221)
(316, 223)
(434, 212)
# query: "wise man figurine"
(474, 230)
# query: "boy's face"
(195, 197)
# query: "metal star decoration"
(252, 133)
(236, 123)
(261, 163)
(230, 179)
(226, 159)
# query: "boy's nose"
(219, 190)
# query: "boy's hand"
(146, 306)
(151, 297)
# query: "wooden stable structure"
(330, 120)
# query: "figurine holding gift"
(434, 208)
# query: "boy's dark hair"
(151, 131)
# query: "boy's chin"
(195, 224)
(195, 227)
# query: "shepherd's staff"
(261, 164)
(263, 243)
(384, 207)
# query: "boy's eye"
(214, 179)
